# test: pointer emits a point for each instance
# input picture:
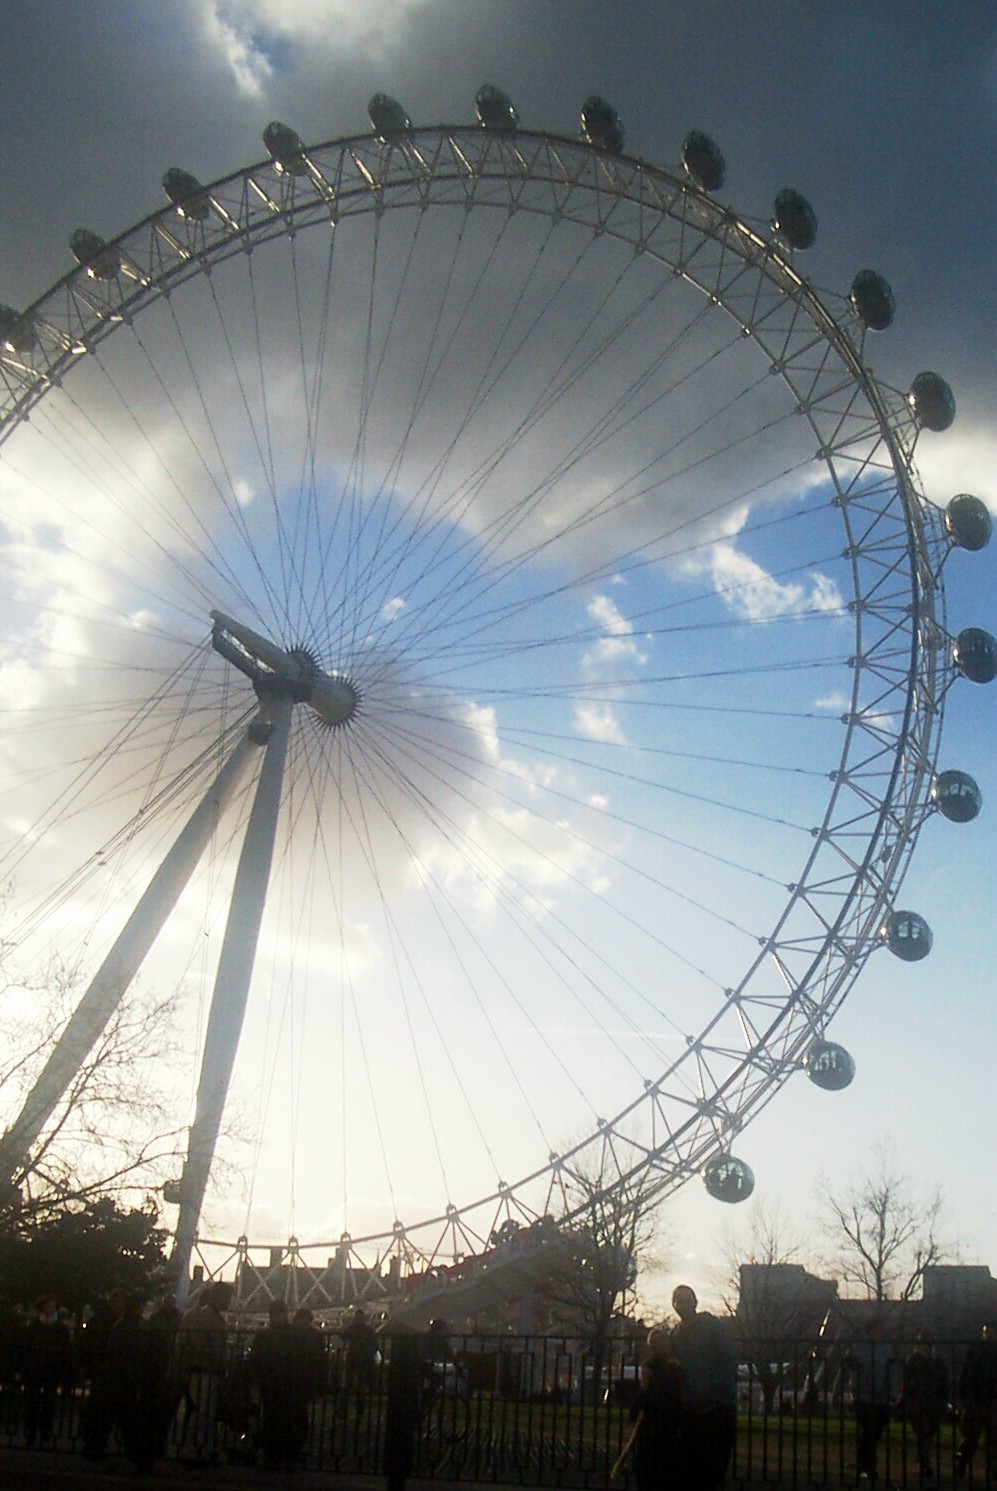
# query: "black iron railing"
(504, 1409)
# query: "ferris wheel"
(473, 604)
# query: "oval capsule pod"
(975, 655)
(17, 332)
(907, 935)
(968, 521)
(495, 109)
(828, 1065)
(387, 118)
(601, 125)
(794, 219)
(703, 161)
(872, 300)
(187, 194)
(285, 148)
(932, 401)
(956, 796)
(728, 1179)
(91, 252)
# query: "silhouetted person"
(705, 1350)
(659, 1449)
(868, 1368)
(275, 1364)
(202, 1349)
(925, 1385)
(95, 1347)
(978, 1391)
(312, 1368)
(48, 1368)
(360, 1340)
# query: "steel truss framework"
(863, 432)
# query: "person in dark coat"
(978, 1391)
(48, 1368)
(95, 1346)
(869, 1370)
(705, 1350)
(925, 1391)
(276, 1366)
(311, 1370)
(657, 1412)
(360, 1340)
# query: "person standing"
(868, 1367)
(360, 1340)
(48, 1368)
(657, 1414)
(274, 1365)
(978, 1391)
(311, 1371)
(925, 1388)
(705, 1350)
(202, 1349)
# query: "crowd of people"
(161, 1377)
(685, 1416)
(164, 1377)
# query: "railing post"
(402, 1409)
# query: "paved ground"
(26, 1470)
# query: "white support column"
(228, 1004)
(123, 961)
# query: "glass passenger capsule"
(187, 194)
(388, 119)
(828, 1065)
(17, 333)
(872, 300)
(703, 161)
(907, 935)
(968, 521)
(975, 655)
(794, 219)
(601, 125)
(956, 796)
(284, 147)
(728, 1179)
(932, 401)
(91, 252)
(496, 110)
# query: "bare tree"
(776, 1303)
(111, 1134)
(609, 1219)
(885, 1233)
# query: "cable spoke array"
(599, 509)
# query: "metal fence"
(510, 1410)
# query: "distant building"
(956, 1299)
(783, 1300)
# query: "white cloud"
(963, 459)
(250, 34)
(249, 64)
(604, 663)
(749, 591)
(598, 722)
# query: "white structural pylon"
(281, 679)
(110, 982)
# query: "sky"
(886, 118)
